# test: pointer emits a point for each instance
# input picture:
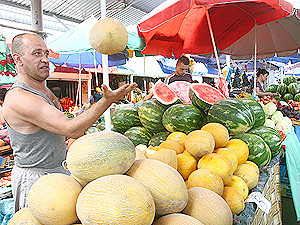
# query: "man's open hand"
(118, 93)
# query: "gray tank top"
(41, 149)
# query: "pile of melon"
(113, 182)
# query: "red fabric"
(180, 26)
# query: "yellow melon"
(81, 182)
(240, 148)
(167, 156)
(230, 155)
(141, 148)
(199, 143)
(218, 164)
(115, 199)
(23, 217)
(177, 219)
(177, 136)
(156, 148)
(165, 184)
(248, 173)
(139, 154)
(234, 199)
(98, 154)
(208, 207)
(206, 179)
(240, 185)
(254, 165)
(186, 164)
(174, 145)
(108, 36)
(52, 199)
(219, 132)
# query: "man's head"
(263, 73)
(30, 54)
(182, 65)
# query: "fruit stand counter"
(269, 186)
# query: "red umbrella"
(199, 26)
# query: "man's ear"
(17, 59)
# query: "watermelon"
(289, 79)
(235, 115)
(270, 136)
(150, 114)
(125, 117)
(203, 96)
(158, 138)
(287, 97)
(138, 135)
(181, 89)
(293, 88)
(259, 151)
(92, 130)
(259, 113)
(297, 97)
(182, 117)
(282, 89)
(164, 94)
(272, 88)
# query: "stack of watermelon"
(288, 90)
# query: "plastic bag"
(292, 153)
(6, 210)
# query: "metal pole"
(79, 87)
(255, 53)
(213, 41)
(95, 64)
(36, 15)
(105, 70)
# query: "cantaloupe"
(177, 136)
(240, 148)
(165, 184)
(254, 165)
(207, 179)
(199, 143)
(52, 199)
(228, 154)
(173, 145)
(139, 154)
(219, 132)
(81, 182)
(177, 219)
(234, 199)
(186, 164)
(218, 164)
(115, 199)
(208, 207)
(240, 185)
(167, 156)
(108, 36)
(99, 154)
(23, 217)
(248, 173)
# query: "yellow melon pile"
(207, 158)
(114, 182)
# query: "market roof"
(129, 12)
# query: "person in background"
(150, 92)
(181, 72)
(36, 124)
(2, 96)
(262, 75)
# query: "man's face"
(181, 69)
(35, 61)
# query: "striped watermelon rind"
(150, 114)
(158, 138)
(259, 113)
(164, 94)
(138, 135)
(182, 117)
(235, 115)
(270, 136)
(297, 97)
(125, 117)
(293, 88)
(272, 88)
(287, 97)
(259, 151)
(282, 89)
(289, 79)
(208, 92)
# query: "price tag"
(260, 201)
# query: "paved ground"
(288, 212)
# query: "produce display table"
(269, 186)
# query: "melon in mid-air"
(108, 36)
(203, 95)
